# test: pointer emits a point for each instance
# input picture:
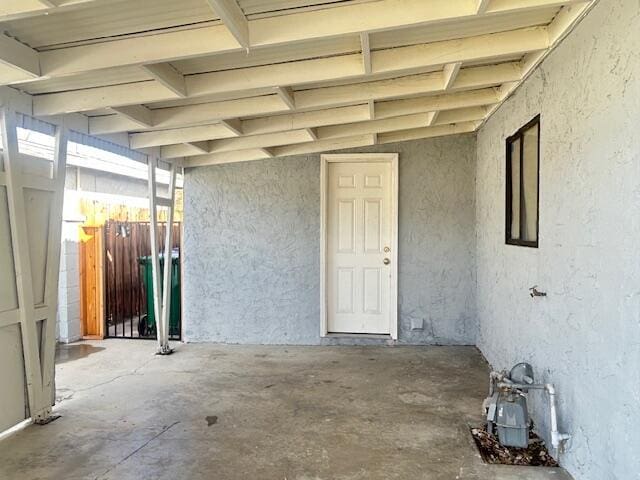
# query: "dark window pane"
(515, 189)
(523, 167)
(530, 183)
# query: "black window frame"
(519, 135)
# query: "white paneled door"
(360, 219)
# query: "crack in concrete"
(128, 374)
(164, 429)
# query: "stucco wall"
(252, 244)
(585, 336)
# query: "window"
(523, 174)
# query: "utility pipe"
(556, 437)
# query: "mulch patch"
(536, 455)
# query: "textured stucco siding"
(585, 336)
(252, 247)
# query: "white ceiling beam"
(389, 61)
(313, 133)
(313, 120)
(475, 77)
(470, 49)
(325, 145)
(199, 114)
(179, 135)
(136, 113)
(566, 19)
(201, 147)
(286, 94)
(256, 126)
(259, 141)
(168, 76)
(268, 152)
(239, 143)
(14, 9)
(450, 73)
(299, 120)
(328, 133)
(396, 108)
(482, 6)
(365, 47)
(427, 132)
(282, 151)
(562, 24)
(234, 125)
(227, 157)
(417, 120)
(351, 19)
(19, 57)
(234, 19)
(460, 115)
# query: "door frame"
(325, 160)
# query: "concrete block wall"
(69, 328)
(585, 335)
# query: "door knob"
(386, 261)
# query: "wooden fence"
(125, 292)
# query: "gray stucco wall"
(252, 246)
(585, 336)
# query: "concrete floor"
(258, 412)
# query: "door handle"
(386, 261)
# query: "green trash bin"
(147, 325)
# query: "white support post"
(53, 257)
(168, 259)
(38, 353)
(22, 263)
(161, 301)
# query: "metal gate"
(128, 302)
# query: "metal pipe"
(556, 437)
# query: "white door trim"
(391, 158)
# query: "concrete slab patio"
(261, 412)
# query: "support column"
(33, 189)
(161, 281)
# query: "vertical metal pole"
(168, 260)
(163, 347)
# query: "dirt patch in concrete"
(211, 420)
(536, 455)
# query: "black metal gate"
(128, 304)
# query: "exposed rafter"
(11, 10)
(17, 61)
(168, 76)
(286, 94)
(388, 61)
(328, 133)
(271, 31)
(482, 6)
(366, 52)
(234, 19)
(450, 74)
(333, 75)
(136, 113)
(232, 124)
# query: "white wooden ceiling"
(212, 81)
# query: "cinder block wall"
(68, 319)
(585, 335)
(252, 247)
